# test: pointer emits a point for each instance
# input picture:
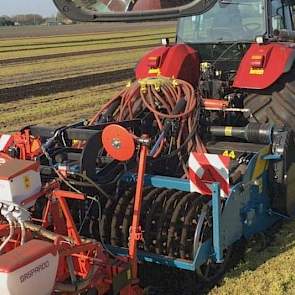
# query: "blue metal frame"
(246, 211)
(160, 181)
(204, 251)
(272, 157)
(216, 212)
(202, 255)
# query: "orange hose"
(162, 102)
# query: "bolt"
(116, 143)
(11, 208)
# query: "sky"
(13, 7)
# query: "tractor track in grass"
(64, 84)
(15, 61)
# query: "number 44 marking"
(230, 154)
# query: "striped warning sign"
(5, 142)
(204, 169)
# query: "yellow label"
(27, 182)
(230, 154)
(155, 71)
(228, 131)
(256, 71)
(261, 165)
(259, 57)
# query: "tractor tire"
(276, 104)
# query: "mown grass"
(270, 271)
(33, 50)
(71, 66)
(67, 67)
(66, 107)
(87, 37)
(61, 108)
(94, 39)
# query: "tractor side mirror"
(130, 10)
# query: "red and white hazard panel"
(204, 169)
(5, 142)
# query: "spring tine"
(163, 224)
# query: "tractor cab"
(236, 21)
(224, 33)
(200, 21)
(220, 30)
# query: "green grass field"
(66, 107)
(264, 271)
(67, 67)
(61, 108)
(14, 49)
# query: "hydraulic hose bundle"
(175, 109)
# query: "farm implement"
(193, 156)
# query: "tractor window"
(226, 21)
(105, 6)
(281, 16)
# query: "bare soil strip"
(65, 84)
(71, 54)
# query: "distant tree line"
(5, 21)
(27, 19)
(30, 19)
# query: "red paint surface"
(275, 59)
(11, 168)
(179, 61)
(126, 146)
(25, 255)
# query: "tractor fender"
(178, 61)
(264, 64)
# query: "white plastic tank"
(29, 269)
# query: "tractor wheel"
(275, 104)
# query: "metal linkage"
(135, 229)
(15, 215)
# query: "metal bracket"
(272, 157)
(216, 211)
(138, 234)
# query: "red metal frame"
(135, 230)
(29, 146)
(71, 227)
(57, 217)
